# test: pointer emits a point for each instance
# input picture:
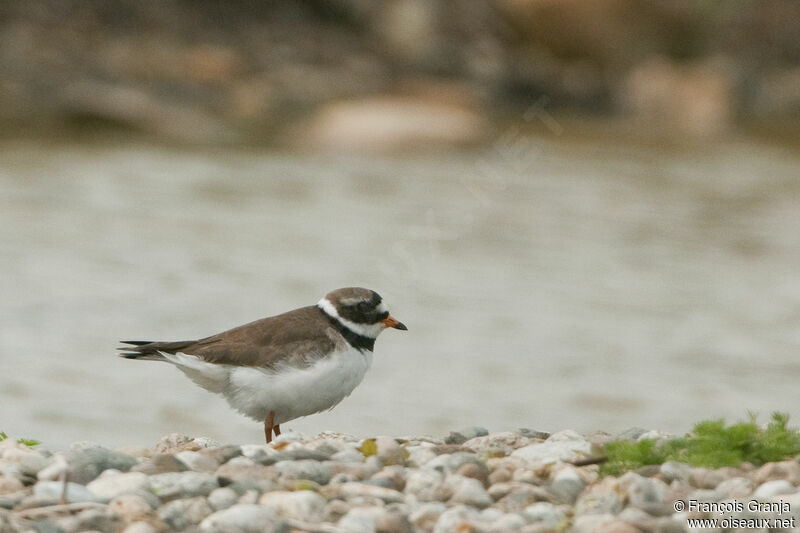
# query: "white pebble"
(108, 486)
(773, 488)
(299, 505)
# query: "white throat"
(366, 330)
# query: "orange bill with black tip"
(392, 322)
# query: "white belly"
(290, 392)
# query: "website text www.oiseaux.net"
(779, 514)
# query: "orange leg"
(269, 426)
(277, 429)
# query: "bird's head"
(360, 310)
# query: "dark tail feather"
(143, 356)
(145, 350)
(133, 355)
(149, 350)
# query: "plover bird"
(283, 367)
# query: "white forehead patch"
(367, 330)
(351, 301)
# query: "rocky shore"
(474, 481)
(403, 73)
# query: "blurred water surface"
(545, 284)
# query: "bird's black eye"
(362, 307)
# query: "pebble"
(9, 522)
(426, 485)
(389, 451)
(174, 443)
(708, 495)
(776, 487)
(89, 520)
(601, 523)
(348, 456)
(463, 435)
(185, 512)
(788, 470)
(391, 477)
(132, 508)
(196, 461)
(533, 433)
(52, 491)
(546, 513)
(494, 483)
(257, 452)
(138, 452)
(222, 498)
(30, 463)
(490, 515)
(9, 485)
(521, 497)
(393, 520)
(707, 478)
(504, 442)
(567, 485)
(647, 494)
(631, 433)
(57, 467)
(177, 484)
(675, 471)
(562, 446)
(735, 487)
(468, 491)
(420, 455)
(655, 434)
(304, 469)
(249, 496)
(360, 520)
(451, 462)
(301, 505)
(368, 468)
(601, 499)
(457, 520)
(507, 522)
(500, 490)
(329, 446)
(108, 487)
(87, 461)
(499, 475)
(295, 453)
(527, 475)
(243, 518)
(222, 454)
(335, 509)
(242, 469)
(475, 471)
(139, 527)
(160, 463)
(792, 500)
(426, 515)
(362, 490)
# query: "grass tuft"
(26, 442)
(711, 444)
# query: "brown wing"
(292, 338)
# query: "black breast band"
(355, 340)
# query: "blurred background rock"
(395, 73)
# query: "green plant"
(712, 444)
(26, 442)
